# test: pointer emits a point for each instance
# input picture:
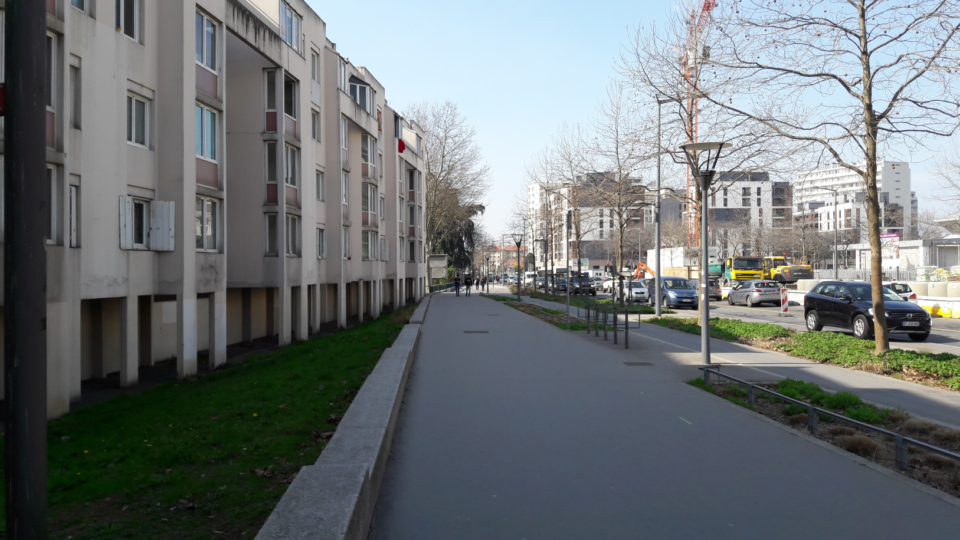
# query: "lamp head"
(693, 151)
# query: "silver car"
(713, 290)
(903, 290)
(753, 293)
(636, 291)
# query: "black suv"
(582, 285)
(849, 305)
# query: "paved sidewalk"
(512, 428)
(941, 406)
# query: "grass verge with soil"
(931, 469)
(207, 457)
(937, 369)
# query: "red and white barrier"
(784, 304)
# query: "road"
(944, 338)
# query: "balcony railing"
(369, 171)
(370, 219)
(346, 211)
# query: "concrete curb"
(334, 499)
(421, 312)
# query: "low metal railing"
(901, 443)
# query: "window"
(369, 204)
(758, 192)
(760, 210)
(54, 210)
(321, 244)
(724, 201)
(400, 215)
(207, 223)
(51, 73)
(271, 151)
(75, 97)
(371, 242)
(368, 147)
(74, 219)
(206, 42)
(290, 165)
(320, 186)
(290, 97)
(384, 249)
(290, 26)
(397, 127)
(601, 223)
(342, 75)
(137, 120)
(315, 125)
(346, 242)
(271, 235)
(344, 188)
(293, 235)
(601, 235)
(271, 92)
(745, 191)
(128, 18)
(383, 212)
(79, 4)
(400, 249)
(758, 202)
(724, 192)
(343, 133)
(141, 223)
(364, 96)
(314, 66)
(745, 202)
(206, 120)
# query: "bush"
(698, 382)
(793, 409)
(842, 401)
(841, 430)
(916, 426)
(793, 387)
(867, 415)
(858, 444)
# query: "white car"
(636, 291)
(607, 285)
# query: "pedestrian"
(456, 284)
(483, 284)
(468, 282)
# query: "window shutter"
(162, 228)
(126, 222)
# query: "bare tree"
(456, 177)
(846, 79)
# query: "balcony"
(411, 196)
(368, 171)
(345, 211)
(370, 219)
(412, 231)
(780, 202)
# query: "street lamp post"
(704, 174)
(518, 239)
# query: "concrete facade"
(197, 172)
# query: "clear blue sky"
(517, 69)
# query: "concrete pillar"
(186, 335)
(129, 344)
(286, 325)
(246, 315)
(302, 319)
(59, 357)
(271, 312)
(360, 300)
(97, 366)
(217, 329)
(342, 304)
(76, 352)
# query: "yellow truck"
(743, 268)
(778, 269)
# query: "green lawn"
(830, 347)
(209, 457)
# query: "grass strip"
(831, 348)
(211, 456)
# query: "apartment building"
(814, 194)
(750, 199)
(218, 173)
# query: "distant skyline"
(517, 71)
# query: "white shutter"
(126, 222)
(162, 225)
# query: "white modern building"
(814, 193)
(218, 173)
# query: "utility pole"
(25, 270)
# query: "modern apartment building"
(750, 199)
(814, 196)
(218, 173)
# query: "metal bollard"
(588, 318)
(706, 376)
(811, 419)
(596, 322)
(614, 324)
(626, 330)
(751, 396)
(604, 324)
(901, 453)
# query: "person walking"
(468, 282)
(483, 284)
(456, 284)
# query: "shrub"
(802, 388)
(793, 409)
(936, 461)
(858, 444)
(867, 415)
(897, 416)
(916, 426)
(842, 401)
(797, 419)
(837, 431)
(698, 382)
(950, 436)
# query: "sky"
(516, 69)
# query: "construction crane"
(694, 53)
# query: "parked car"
(582, 285)
(559, 285)
(608, 284)
(636, 291)
(538, 284)
(597, 283)
(849, 305)
(713, 289)
(903, 290)
(676, 292)
(754, 293)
